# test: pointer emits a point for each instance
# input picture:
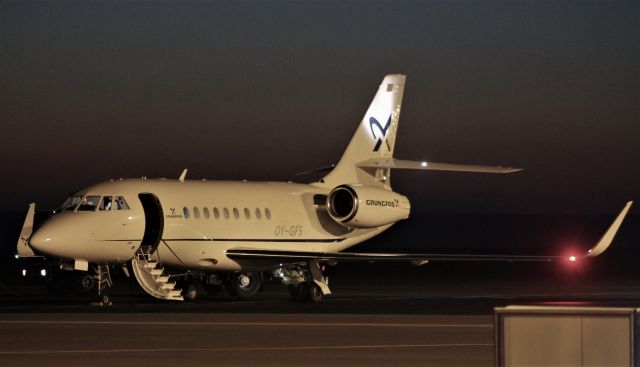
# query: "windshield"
(106, 202)
(121, 204)
(71, 203)
(89, 203)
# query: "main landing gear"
(306, 283)
(244, 285)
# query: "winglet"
(607, 238)
(183, 175)
(24, 250)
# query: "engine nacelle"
(361, 206)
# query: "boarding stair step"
(175, 293)
(150, 264)
(168, 286)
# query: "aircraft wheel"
(245, 285)
(315, 293)
(105, 300)
(305, 292)
(88, 282)
(189, 291)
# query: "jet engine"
(360, 206)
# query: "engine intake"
(361, 206)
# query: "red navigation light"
(572, 258)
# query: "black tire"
(88, 283)
(105, 300)
(305, 292)
(315, 294)
(244, 285)
(189, 291)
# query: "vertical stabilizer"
(374, 138)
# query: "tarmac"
(407, 320)
(224, 339)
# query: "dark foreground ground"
(244, 339)
(379, 315)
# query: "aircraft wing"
(608, 236)
(424, 165)
(302, 256)
(418, 259)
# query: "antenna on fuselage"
(183, 175)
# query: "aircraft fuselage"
(198, 222)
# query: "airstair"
(151, 277)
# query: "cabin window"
(196, 213)
(120, 203)
(236, 213)
(247, 213)
(185, 210)
(216, 213)
(106, 203)
(71, 203)
(89, 203)
(258, 214)
(226, 213)
(205, 211)
(267, 213)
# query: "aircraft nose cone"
(41, 241)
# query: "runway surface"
(375, 318)
(244, 340)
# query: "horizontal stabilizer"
(434, 166)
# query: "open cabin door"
(149, 272)
(153, 222)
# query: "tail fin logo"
(383, 130)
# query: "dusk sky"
(93, 90)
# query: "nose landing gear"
(103, 282)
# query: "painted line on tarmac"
(289, 324)
(241, 349)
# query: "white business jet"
(232, 232)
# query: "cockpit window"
(106, 203)
(121, 203)
(71, 203)
(89, 203)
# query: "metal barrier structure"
(566, 336)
